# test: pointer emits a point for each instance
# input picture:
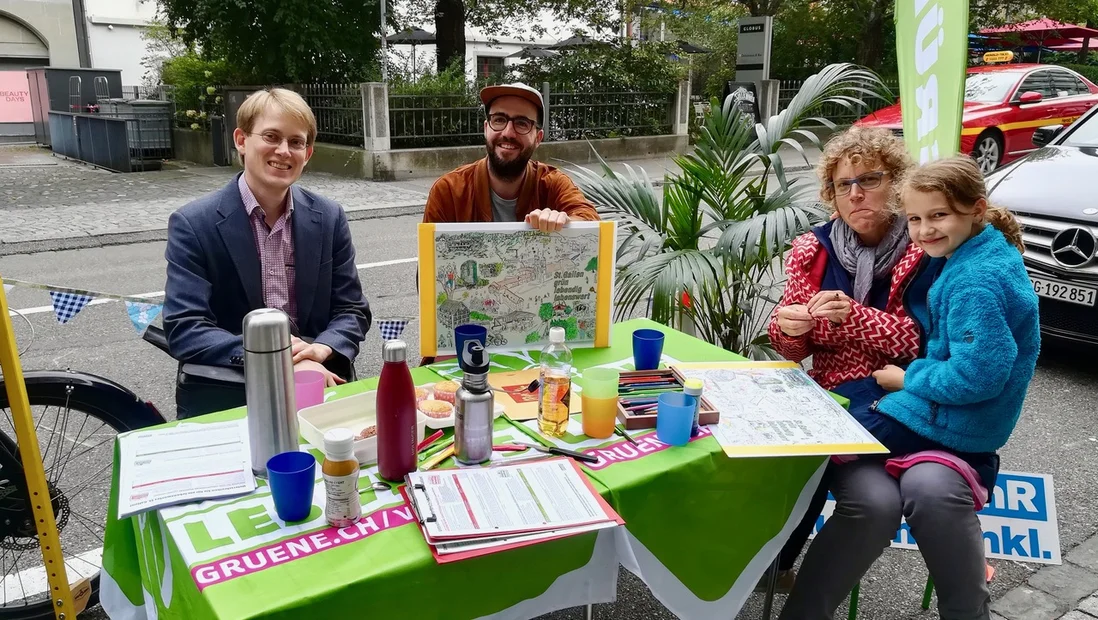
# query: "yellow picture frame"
(574, 284)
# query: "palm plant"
(708, 254)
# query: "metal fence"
(576, 114)
(836, 113)
(338, 111)
(418, 121)
(145, 92)
(432, 120)
(429, 120)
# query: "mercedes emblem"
(1073, 247)
(1090, 211)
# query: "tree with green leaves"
(284, 41)
(502, 18)
(761, 8)
(545, 312)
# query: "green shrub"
(1090, 72)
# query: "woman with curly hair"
(851, 284)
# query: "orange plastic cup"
(599, 416)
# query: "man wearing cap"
(506, 186)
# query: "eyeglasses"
(522, 125)
(867, 181)
(274, 138)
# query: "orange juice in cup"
(599, 400)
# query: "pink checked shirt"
(276, 253)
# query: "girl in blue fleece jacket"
(965, 393)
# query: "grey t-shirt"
(503, 209)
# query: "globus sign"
(932, 50)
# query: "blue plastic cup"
(469, 331)
(291, 476)
(647, 349)
(674, 417)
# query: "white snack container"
(354, 413)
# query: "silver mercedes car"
(1054, 194)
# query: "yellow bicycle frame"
(48, 538)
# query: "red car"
(1004, 104)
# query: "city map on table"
(517, 282)
(776, 409)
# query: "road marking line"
(96, 302)
(32, 581)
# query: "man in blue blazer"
(261, 242)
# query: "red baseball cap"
(518, 89)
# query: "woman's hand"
(890, 378)
(834, 306)
(795, 320)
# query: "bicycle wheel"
(76, 417)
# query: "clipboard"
(453, 548)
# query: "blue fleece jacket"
(966, 393)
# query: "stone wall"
(193, 146)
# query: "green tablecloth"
(700, 530)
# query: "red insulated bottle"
(396, 414)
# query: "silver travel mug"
(269, 386)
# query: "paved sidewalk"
(50, 203)
(1067, 592)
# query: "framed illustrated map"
(517, 282)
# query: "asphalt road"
(1056, 435)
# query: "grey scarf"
(868, 263)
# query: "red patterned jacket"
(868, 340)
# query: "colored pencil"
(437, 459)
(433, 450)
(428, 441)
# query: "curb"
(161, 234)
(753, 173)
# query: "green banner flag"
(932, 50)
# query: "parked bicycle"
(77, 417)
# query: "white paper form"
(189, 462)
(776, 409)
(513, 499)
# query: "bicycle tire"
(96, 397)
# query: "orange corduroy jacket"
(464, 195)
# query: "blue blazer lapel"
(239, 238)
(308, 226)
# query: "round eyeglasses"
(522, 125)
(867, 181)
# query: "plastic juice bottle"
(555, 391)
(340, 469)
(396, 414)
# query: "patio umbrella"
(1075, 46)
(533, 52)
(1042, 32)
(413, 37)
(577, 41)
(690, 48)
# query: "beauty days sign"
(15, 101)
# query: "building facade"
(105, 34)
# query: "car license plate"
(1070, 293)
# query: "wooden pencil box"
(632, 421)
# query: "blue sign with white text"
(1019, 520)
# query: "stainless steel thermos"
(269, 386)
(474, 407)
